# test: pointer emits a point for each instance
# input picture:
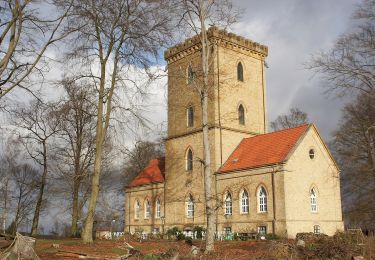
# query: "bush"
(150, 257)
(173, 231)
(180, 236)
(272, 236)
(189, 241)
(199, 231)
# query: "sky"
(294, 30)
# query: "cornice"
(216, 37)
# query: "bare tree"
(25, 36)
(295, 118)
(118, 37)
(37, 125)
(76, 138)
(197, 15)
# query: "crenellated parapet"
(217, 37)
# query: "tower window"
(262, 197)
(190, 74)
(316, 229)
(241, 115)
(228, 204)
(239, 72)
(312, 153)
(189, 160)
(190, 117)
(190, 207)
(313, 201)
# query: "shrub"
(150, 257)
(272, 236)
(180, 236)
(173, 231)
(189, 241)
(199, 231)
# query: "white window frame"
(190, 207)
(147, 209)
(313, 201)
(158, 208)
(316, 229)
(228, 203)
(137, 209)
(244, 202)
(262, 200)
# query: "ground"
(164, 249)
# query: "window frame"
(189, 161)
(316, 229)
(190, 116)
(228, 203)
(190, 207)
(262, 200)
(313, 200)
(240, 70)
(158, 208)
(190, 74)
(241, 115)
(244, 202)
(137, 210)
(147, 212)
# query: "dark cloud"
(294, 30)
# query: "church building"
(282, 182)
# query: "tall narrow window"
(190, 74)
(239, 71)
(313, 201)
(244, 202)
(262, 196)
(190, 207)
(147, 209)
(228, 204)
(158, 208)
(316, 229)
(189, 160)
(137, 209)
(190, 117)
(241, 115)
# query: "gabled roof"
(152, 173)
(262, 150)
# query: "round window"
(312, 153)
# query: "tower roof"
(152, 173)
(229, 40)
(262, 150)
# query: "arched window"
(239, 71)
(190, 207)
(147, 209)
(137, 209)
(262, 197)
(313, 202)
(190, 74)
(228, 204)
(190, 116)
(189, 160)
(158, 208)
(244, 202)
(241, 115)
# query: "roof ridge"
(278, 131)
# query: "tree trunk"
(38, 207)
(74, 226)
(209, 199)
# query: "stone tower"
(237, 109)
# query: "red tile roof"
(152, 173)
(266, 149)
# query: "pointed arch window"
(147, 209)
(228, 204)
(313, 200)
(190, 207)
(262, 197)
(137, 209)
(239, 72)
(244, 202)
(158, 208)
(190, 116)
(190, 74)
(241, 115)
(189, 160)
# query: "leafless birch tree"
(197, 15)
(113, 39)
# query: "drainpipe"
(273, 201)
